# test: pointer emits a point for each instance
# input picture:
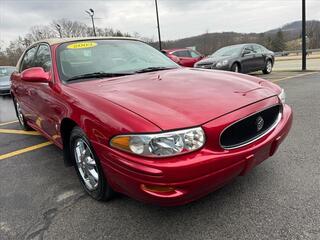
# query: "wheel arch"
(66, 126)
(238, 63)
(270, 58)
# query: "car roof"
(54, 41)
(176, 49)
(7, 66)
(242, 44)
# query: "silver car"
(5, 73)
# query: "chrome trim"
(273, 126)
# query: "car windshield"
(6, 71)
(108, 57)
(230, 51)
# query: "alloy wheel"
(269, 66)
(86, 164)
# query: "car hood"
(180, 98)
(212, 60)
(4, 81)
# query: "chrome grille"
(250, 128)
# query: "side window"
(177, 54)
(194, 54)
(257, 49)
(43, 58)
(27, 61)
(248, 49)
(183, 53)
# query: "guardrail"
(286, 53)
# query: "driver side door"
(44, 96)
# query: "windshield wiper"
(153, 69)
(97, 75)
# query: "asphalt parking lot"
(42, 199)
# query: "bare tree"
(313, 33)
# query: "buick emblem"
(259, 123)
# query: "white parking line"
(7, 123)
(294, 76)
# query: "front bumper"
(4, 90)
(224, 68)
(193, 175)
(214, 66)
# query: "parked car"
(184, 56)
(132, 121)
(5, 72)
(242, 58)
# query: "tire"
(87, 166)
(236, 68)
(22, 121)
(268, 68)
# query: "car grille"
(250, 128)
(205, 65)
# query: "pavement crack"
(47, 219)
(38, 230)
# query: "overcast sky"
(178, 18)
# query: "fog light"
(157, 189)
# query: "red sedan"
(183, 56)
(132, 121)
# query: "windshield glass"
(228, 51)
(6, 71)
(108, 56)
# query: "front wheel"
(235, 67)
(87, 166)
(268, 68)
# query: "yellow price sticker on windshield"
(82, 45)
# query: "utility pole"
(304, 43)
(160, 47)
(59, 30)
(91, 14)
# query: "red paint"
(35, 74)
(152, 102)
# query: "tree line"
(286, 38)
(11, 54)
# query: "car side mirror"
(35, 74)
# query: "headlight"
(161, 144)
(282, 97)
(222, 63)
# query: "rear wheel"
(23, 123)
(268, 68)
(87, 166)
(235, 67)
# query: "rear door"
(22, 90)
(259, 57)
